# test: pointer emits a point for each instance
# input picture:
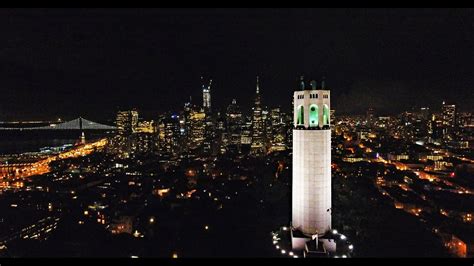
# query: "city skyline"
(277, 133)
(199, 100)
(378, 58)
(198, 156)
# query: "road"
(42, 166)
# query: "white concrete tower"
(311, 210)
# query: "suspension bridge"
(76, 124)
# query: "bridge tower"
(83, 137)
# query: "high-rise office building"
(370, 116)
(435, 128)
(424, 113)
(449, 120)
(146, 127)
(234, 122)
(206, 96)
(185, 125)
(210, 145)
(449, 115)
(197, 127)
(123, 143)
(421, 123)
(246, 137)
(221, 141)
(142, 143)
(142, 140)
(258, 147)
(169, 134)
(277, 130)
(267, 126)
(126, 122)
(465, 119)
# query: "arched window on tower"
(300, 120)
(325, 115)
(313, 115)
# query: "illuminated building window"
(313, 116)
(325, 115)
(300, 120)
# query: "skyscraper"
(449, 115)
(234, 122)
(169, 132)
(206, 96)
(311, 205)
(126, 122)
(246, 136)
(449, 119)
(210, 144)
(424, 113)
(370, 115)
(258, 146)
(196, 132)
(435, 127)
(278, 130)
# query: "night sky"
(90, 62)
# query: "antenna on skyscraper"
(323, 83)
(258, 86)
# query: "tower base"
(292, 242)
(313, 246)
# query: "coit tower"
(311, 195)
